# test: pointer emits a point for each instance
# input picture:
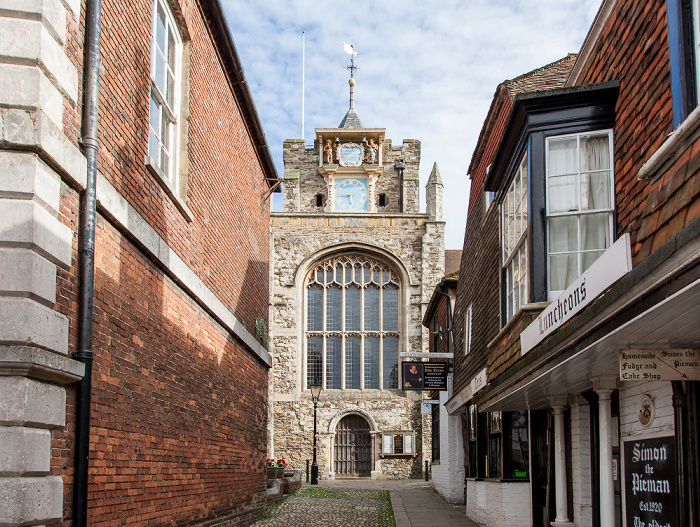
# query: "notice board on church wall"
(650, 482)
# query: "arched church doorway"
(353, 447)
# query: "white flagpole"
(303, 66)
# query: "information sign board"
(424, 376)
(660, 365)
(650, 482)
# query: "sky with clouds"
(428, 70)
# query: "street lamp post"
(315, 393)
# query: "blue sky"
(429, 70)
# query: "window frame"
(389, 278)
(468, 330)
(172, 112)
(516, 249)
(435, 432)
(579, 213)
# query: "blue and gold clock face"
(351, 194)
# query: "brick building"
(353, 265)
(177, 428)
(590, 232)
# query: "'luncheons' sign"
(612, 265)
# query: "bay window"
(514, 240)
(579, 204)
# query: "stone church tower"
(353, 265)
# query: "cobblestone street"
(359, 503)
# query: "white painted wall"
(448, 475)
(497, 504)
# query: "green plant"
(261, 330)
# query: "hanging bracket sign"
(424, 376)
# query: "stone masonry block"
(29, 225)
(25, 273)
(25, 176)
(24, 451)
(30, 41)
(33, 129)
(31, 501)
(28, 87)
(25, 321)
(27, 402)
(51, 12)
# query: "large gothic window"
(352, 324)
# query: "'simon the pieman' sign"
(650, 482)
(424, 376)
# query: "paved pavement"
(362, 502)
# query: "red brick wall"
(227, 244)
(633, 48)
(179, 406)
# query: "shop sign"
(612, 265)
(660, 365)
(426, 406)
(458, 400)
(478, 382)
(650, 482)
(423, 355)
(424, 376)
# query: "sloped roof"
(547, 77)
(351, 120)
(453, 260)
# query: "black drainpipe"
(91, 89)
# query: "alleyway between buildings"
(366, 503)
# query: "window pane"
(563, 234)
(391, 308)
(563, 270)
(153, 145)
(334, 308)
(595, 191)
(595, 152)
(314, 309)
(352, 363)
(595, 231)
(524, 299)
(391, 363)
(160, 27)
(348, 275)
(561, 158)
(170, 94)
(562, 194)
(339, 274)
(588, 259)
(171, 50)
(314, 354)
(358, 275)
(372, 308)
(353, 310)
(154, 121)
(333, 364)
(371, 363)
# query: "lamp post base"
(314, 473)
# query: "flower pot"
(275, 472)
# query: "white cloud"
(429, 70)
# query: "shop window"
(352, 324)
(436, 431)
(516, 450)
(472, 418)
(494, 447)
